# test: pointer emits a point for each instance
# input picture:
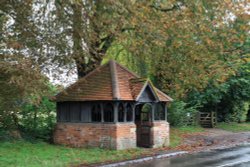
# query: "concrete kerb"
(167, 155)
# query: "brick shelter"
(114, 108)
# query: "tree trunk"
(87, 60)
(35, 118)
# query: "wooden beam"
(166, 111)
(153, 112)
(115, 105)
(133, 108)
(125, 112)
(102, 112)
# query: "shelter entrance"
(143, 121)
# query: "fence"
(207, 119)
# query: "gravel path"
(213, 138)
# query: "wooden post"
(215, 114)
(102, 113)
(153, 112)
(58, 112)
(133, 108)
(166, 111)
(80, 108)
(115, 112)
(198, 118)
(125, 112)
(212, 119)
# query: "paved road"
(233, 157)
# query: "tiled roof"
(162, 96)
(110, 81)
(136, 85)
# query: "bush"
(179, 114)
(230, 99)
(34, 119)
(37, 120)
(239, 112)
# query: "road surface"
(233, 157)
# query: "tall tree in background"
(184, 44)
(94, 26)
(181, 44)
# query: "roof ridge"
(134, 80)
(114, 80)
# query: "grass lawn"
(234, 127)
(23, 154)
(176, 134)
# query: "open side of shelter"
(113, 108)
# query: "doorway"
(143, 121)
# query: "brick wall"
(160, 134)
(126, 135)
(103, 135)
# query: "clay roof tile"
(110, 81)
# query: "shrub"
(34, 119)
(238, 112)
(179, 114)
(230, 99)
(37, 120)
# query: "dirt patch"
(196, 142)
(211, 139)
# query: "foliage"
(181, 44)
(24, 98)
(59, 33)
(234, 127)
(179, 114)
(184, 46)
(37, 120)
(239, 112)
(19, 78)
(20, 153)
(4, 135)
(230, 100)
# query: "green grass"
(176, 134)
(25, 154)
(234, 127)
(40, 154)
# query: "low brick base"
(160, 134)
(103, 135)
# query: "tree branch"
(176, 6)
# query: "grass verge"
(234, 127)
(39, 154)
(22, 154)
(177, 134)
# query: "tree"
(178, 43)
(181, 45)
(38, 119)
(19, 78)
(230, 100)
